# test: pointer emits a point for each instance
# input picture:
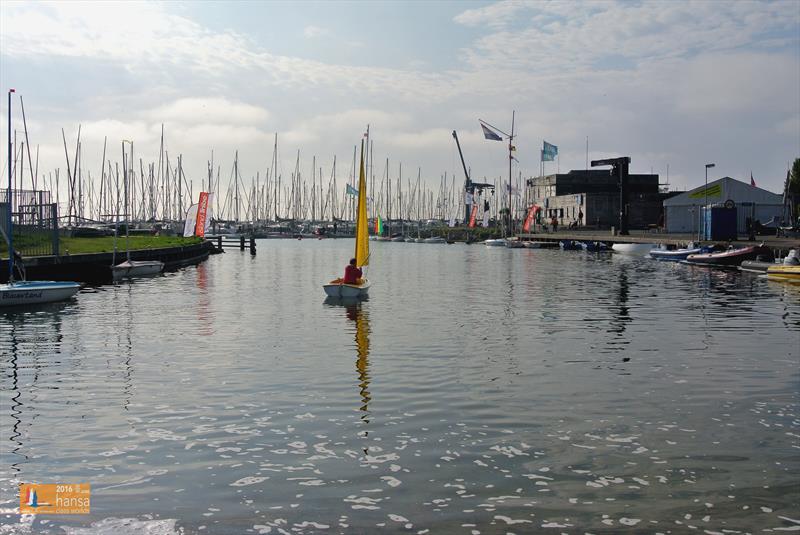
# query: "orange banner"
(56, 499)
(202, 210)
(529, 219)
(473, 215)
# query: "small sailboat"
(27, 292)
(337, 287)
(131, 268)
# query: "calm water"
(478, 390)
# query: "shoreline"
(95, 268)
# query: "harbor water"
(477, 390)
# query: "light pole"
(708, 166)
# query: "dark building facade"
(591, 198)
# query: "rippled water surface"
(478, 390)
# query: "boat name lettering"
(22, 295)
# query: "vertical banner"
(473, 215)
(202, 209)
(529, 219)
(191, 221)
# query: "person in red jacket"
(352, 273)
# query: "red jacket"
(351, 274)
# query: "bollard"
(241, 243)
(252, 246)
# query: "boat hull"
(633, 248)
(36, 292)
(346, 291)
(498, 242)
(136, 268)
(677, 255)
(785, 273)
(731, 257)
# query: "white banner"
(191, 221)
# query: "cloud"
(694, 80)
(312, 32)
(494, 15)
(211, 110)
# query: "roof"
(723, 189)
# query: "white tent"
(682, 212)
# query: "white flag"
(191, 221)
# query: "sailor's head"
(352, 261)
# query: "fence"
(35, 223)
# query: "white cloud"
(311, 32)
(662, 82)
(209, 110)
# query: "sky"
(672, 84)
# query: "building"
(682, 212)
(591, 198)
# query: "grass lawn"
(105, 244)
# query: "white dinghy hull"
(342, 290)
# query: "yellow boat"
(784, 272)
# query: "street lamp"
(708, 166)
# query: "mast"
(9, 199)
(510, 159)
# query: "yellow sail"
(362, 231)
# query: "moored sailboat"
(27, 292)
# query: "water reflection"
(357, 314)
(29, 334)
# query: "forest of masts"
(159, 191)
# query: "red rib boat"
(732, 257)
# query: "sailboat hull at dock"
(136, 268)
(36, 292)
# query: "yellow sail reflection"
(360, 317)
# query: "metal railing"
(35, 224)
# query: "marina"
(475, 268)
(509, 389)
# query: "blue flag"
(488, 133)
(549, 152)
(350, 190)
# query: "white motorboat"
(136, 268)
(633, 248)
(434, 239)
(495, 242)
(36, 292)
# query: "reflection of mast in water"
(18, 345)
(355, 313)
